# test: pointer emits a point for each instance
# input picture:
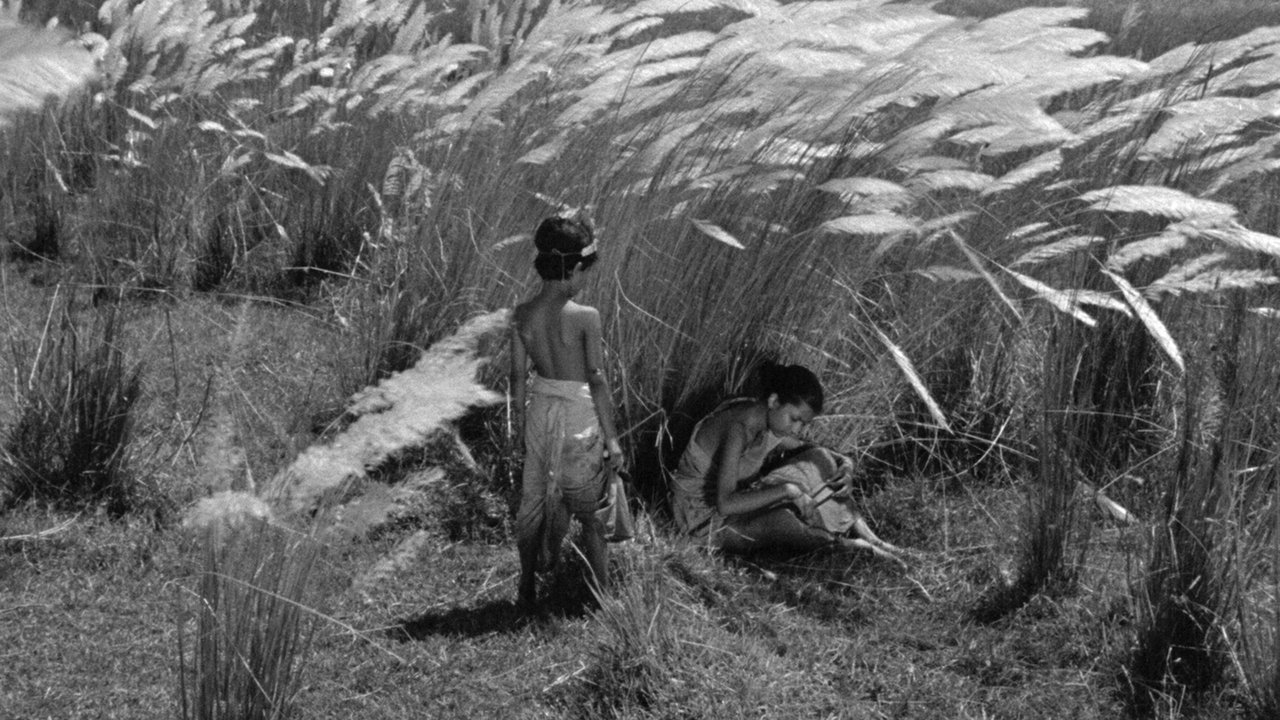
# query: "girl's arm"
(729, 499)
(787, 443)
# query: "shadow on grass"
(494, 617)
(824, 586)
(498, 616)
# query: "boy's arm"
(601, 395)
(519, 377)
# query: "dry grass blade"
(715, 232)
(1149, 319)
(47, 532)
(904, 363)
(874, 224)
(1061, 300)
(976, 262)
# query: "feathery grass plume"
(226, 512)
(397, 414)
(917, 384)
(36, 64)
(1155, 327)
(70, 443)
(223, 465)
(402, 559)
(253, 629)
(1155, 200)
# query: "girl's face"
(788, 419)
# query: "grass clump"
(69, 445)
(252, 629)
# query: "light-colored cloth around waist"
(563, 466)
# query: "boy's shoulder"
(580, 310)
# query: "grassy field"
(93, 614)
(1030, 251)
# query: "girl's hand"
(797, 495)
(842, 484)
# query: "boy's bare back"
(561, 339)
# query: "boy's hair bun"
(793, 384)
(563, 243)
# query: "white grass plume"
(36, 64)
(403, 559)
(398, 413)
(225, 512)
(223, 463)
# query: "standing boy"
(569, 416)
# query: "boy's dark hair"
(563, 243)
(793, 384)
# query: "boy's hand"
(613, 454)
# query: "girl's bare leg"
(781, 529)
(863, 531)
(776, 529)
(857, 544)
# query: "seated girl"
(720, 498)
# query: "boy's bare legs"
(596, 552)
(528, 546)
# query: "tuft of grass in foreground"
(252, 630)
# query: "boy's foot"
(526, 605)
(527, 596)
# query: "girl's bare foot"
(855, 544)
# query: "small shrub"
(252, 630)
(69, 445)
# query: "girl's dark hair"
(560, 242)
(793, 384)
